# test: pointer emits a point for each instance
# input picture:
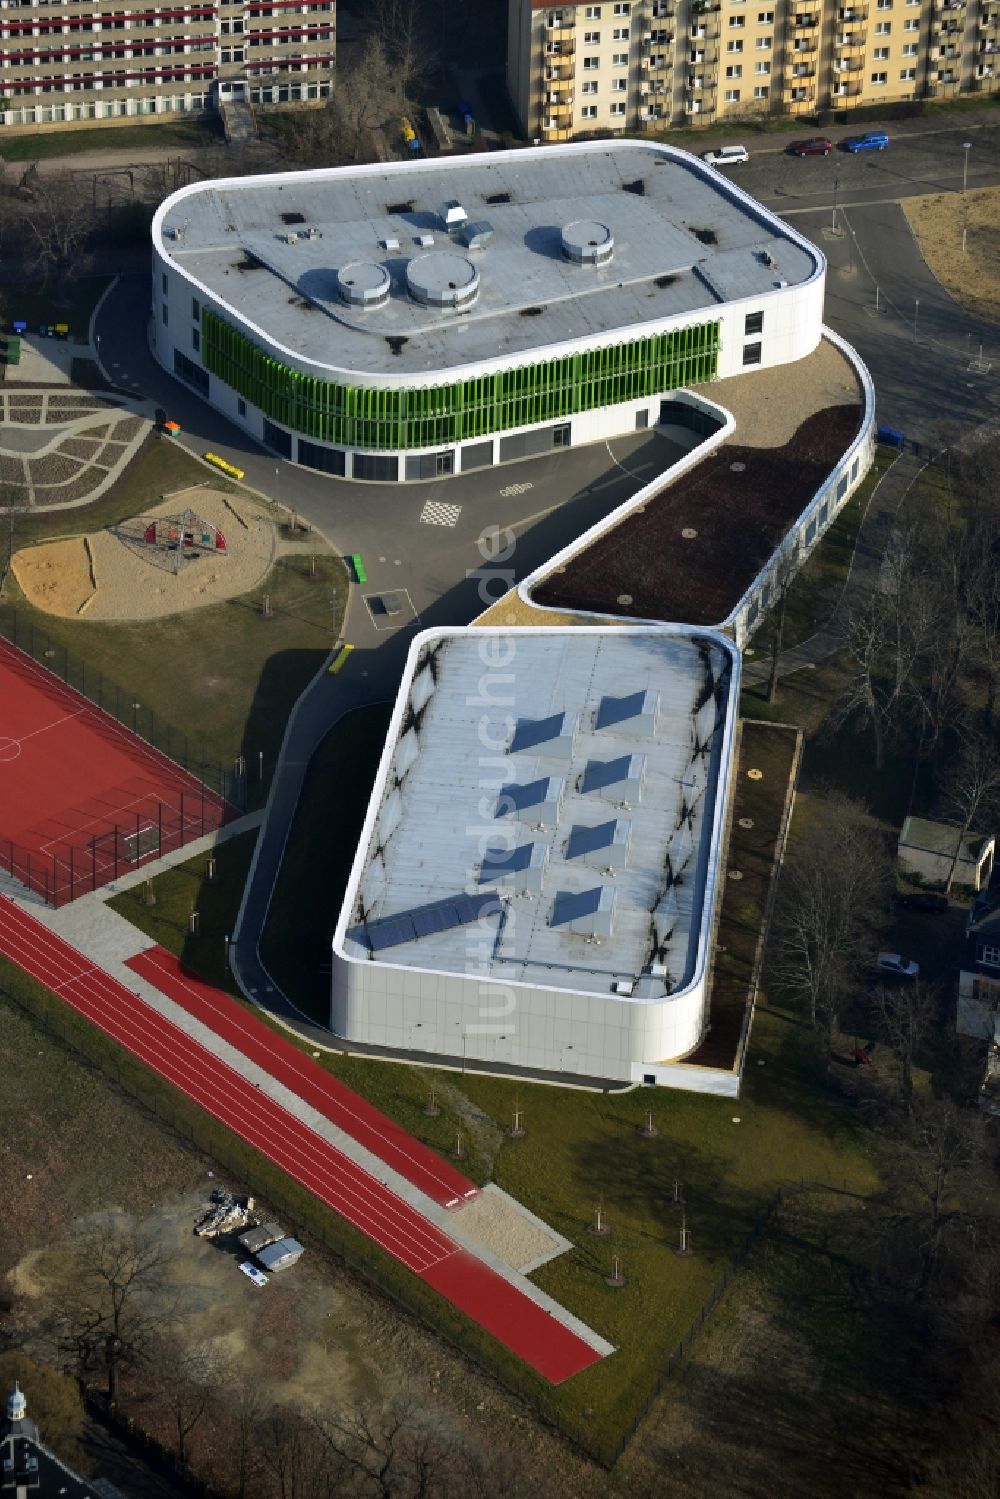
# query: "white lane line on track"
(425, 1242)
(297, 1071)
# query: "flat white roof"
(548, 809)
(268, 250)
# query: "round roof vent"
(586, 242)
(442, 279)
(363, 283)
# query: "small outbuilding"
(927, 853)
(256, 1239)
(280, 1255)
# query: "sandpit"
(503, 1226)
(55, 577)
(135, 581)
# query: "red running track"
(511, 1317)
(80, 794)
(437, 1178)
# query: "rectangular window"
(196, 309)
(883, 28)
(736, 22)
(589, 86)
(752, 354)
(622, 8)
(241, 406)
(195, 339)
(763, 44)
(618, 108)
(912, 25)
(878, 79)
(164, 311)
(185, 369)
(763, 68)
(619, 59)
(592, 13)
(761, 91)
(590, 63)
(735, 71)
(163, 279)
(619, 33)
(989, 954)
(910, 49)
(907, 75)
(754, 323)
(765, 18)
(589, 112)
(592, 38)
(732, 96)
(735, 46)
(619, 85)
(881, 54)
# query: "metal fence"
(230, 782)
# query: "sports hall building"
(403, 321)
(537, 879)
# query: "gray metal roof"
(684, 239)
(581, 881)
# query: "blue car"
(873, 140)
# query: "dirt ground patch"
(696, 547)
(136, 581)
(55, 577)
(937, 221)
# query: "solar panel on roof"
(426, 921)
(572, 905)
(393, 931)
(601, 773)
(585, 840)
(531, 732)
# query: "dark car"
(925, 900)
(872, 140)
(816, 145)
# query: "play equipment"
(186, 535)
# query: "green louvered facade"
(355, 416)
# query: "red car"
(817, 145)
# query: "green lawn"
(581, 1148)
(225, 677)
(166, 134)
(36, 305)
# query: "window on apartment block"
(878, 79)
(589, 86)
(754, 323)
(590, 64)
(621, 8)
(761, 91)
(765, 18)
(907, 75)
(589, 112)
(618, 108)
(592, 38)
(592, 13)
(883, 28)
(619, 85)
(762, 68)
(763, 44)
(736, 45)
(910, 49)
(911, 25)
(732, 96)
(736, 22)
(735, 71)
(752, 353)
(881, 54)
(619, 59)
(619, 33)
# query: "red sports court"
(83, 800)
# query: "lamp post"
(966, 148)
(833, 221)
(916, 314)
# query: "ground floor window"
(185, 369)
(327, 460)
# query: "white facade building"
(414, 319)
(537, 877)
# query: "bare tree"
(832, 889)
(105, 1319)
(58, 218)
(366, 96)
(298, 1465)
(783, 572)
(188, 1378)
(391, 1453)
(401, 27)
(982, 599)
(905, 1012)
(972, 788)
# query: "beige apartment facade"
(91, 62)
(628, 65)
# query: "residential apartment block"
(623, 65)
(91, 60)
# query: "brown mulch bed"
(646, 569)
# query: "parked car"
(726, 156)
(872, 140)
(816, 145)
(894, 965)
(924, 900)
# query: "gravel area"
(54, 468)
(80, 447)
(11, 470)
(136, 581)
(65, 494)
(501, 1225)
(770, 405)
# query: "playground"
(196, 546)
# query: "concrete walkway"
(869, 550)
